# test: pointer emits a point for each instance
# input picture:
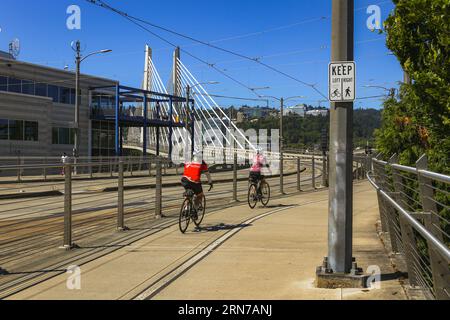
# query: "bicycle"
(258, 191)
(188, 211)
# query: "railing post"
(384, 218)
(45, 169)
(100, 165)
(313, 164)
(19, 170)
(324, 170)
(149, 167)
(120, 200)
(299, 171)
(235, 184)
(439, 267)
(358, 172)
(68, 207)
(408, 238)
(158, 189)
(91, 173)
(132, 165)
(281, 173)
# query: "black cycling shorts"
(189, 185)
(256, 176)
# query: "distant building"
(317, 112)
(256, 112)
(298, 110)
(37, 106)
(240, 117)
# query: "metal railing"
(84, 203)
(415, 218)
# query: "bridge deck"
(273, 257)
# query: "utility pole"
(77, 100)
(340, 220)
(78, 60)
(281, 147)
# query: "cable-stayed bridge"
(206, 126)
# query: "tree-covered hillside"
(306, 132)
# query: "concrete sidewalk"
(272, 257)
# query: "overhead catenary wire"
(136, 21)
(172, 44)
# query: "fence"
(84, 203)
(415, 217)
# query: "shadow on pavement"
(33, 272)
(221, 227)
(394, 276)
(275, 206)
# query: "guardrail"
(85, 202)
(415, 218)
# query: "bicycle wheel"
(252, 196)
(265, 193)
(185, 215)
(200, 214)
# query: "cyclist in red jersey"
(192, 178)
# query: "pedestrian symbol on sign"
(348, 92)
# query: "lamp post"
(79, 59)
(281, 141)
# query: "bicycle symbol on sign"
(335, 94)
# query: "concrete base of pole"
(69, 247)
(122, 229)
(327, 279)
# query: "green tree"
(418, 33)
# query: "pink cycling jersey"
(258, 162)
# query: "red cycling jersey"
(193, 171)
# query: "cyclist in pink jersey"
(259, 162)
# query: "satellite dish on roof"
(14, 48)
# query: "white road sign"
(342, 81)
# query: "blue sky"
(296, 40)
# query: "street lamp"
(259, 88)
(391, 90)
(78, 61)
(282, 101)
